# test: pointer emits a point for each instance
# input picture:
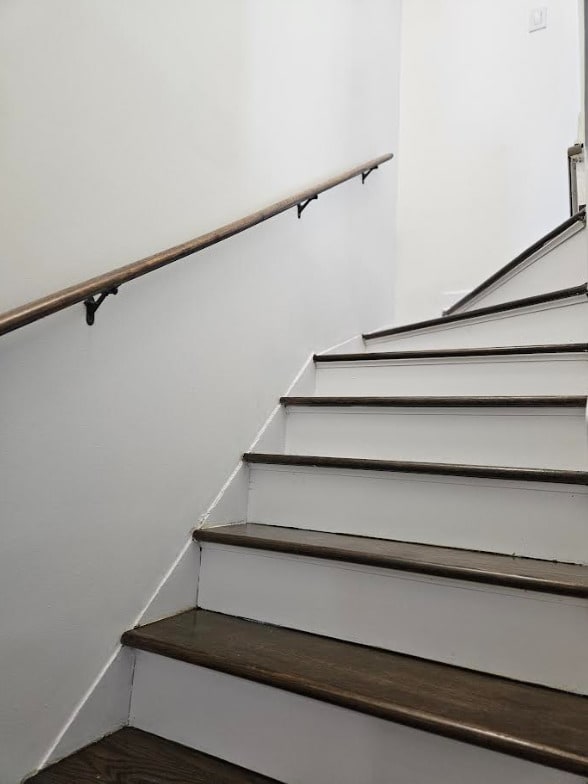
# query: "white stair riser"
(538, 438)
(482, 627)
(563, 267)
(299, 740)
(510, 375)
(559, 322)
(537, 520)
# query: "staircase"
(407, 602)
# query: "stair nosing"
(504, 307)
(545, 401)
(521, 258)
(547, 475)
(474, 733)
(234, 535)
(464, 353)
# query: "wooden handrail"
(65, 298)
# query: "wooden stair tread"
(556, 476)
(546, 401)
(531, 722)
(454, 353)
(503, 307)
(131, 756)
(491, 568)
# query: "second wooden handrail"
(102, 284)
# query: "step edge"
(498, 351)
(504, 307)
(547, 475)
(324, 552)
(428, 722)
(505, 401)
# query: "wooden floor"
(531, 722)
(134, 757)
(491, 568)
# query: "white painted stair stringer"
(561, 264)
(558, 321)
(517, 374)
(479, 626)
(299, 740)
(518, 436)
(531, 519)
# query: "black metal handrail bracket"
(93, 303)
(303, 205)
(366, 174)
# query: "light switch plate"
(538, 19)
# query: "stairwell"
(407, 599)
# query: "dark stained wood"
(506, 351)
(555, 476)
(554, 401)
(579, 217)
(552, 296)
(531, 722)
(134, 757)
(40, 308)
(491, 568)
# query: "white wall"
(488, 111)
(130, 126)
(127, 127)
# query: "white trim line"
(117, 650)
(78, 708)
(204, 517)
(333, 348)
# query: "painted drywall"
(488, 111)
(128, 127)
